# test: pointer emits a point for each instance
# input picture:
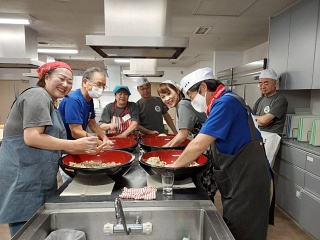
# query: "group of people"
(121, 116)
(36, 134)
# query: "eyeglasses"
(263, 83)
(98, 84)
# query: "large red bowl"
(110, 135)
(124, 158)
(170, 156)
(156, 135)
(125, 144)
(156, 143)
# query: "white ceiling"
(237, 25)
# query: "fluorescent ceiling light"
(16, 18)
(119, 60)
(56, 50)
(15, 21)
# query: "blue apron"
(28, 175)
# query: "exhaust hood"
(143, 68)
(137, 47)
(18, 47)
(139, 30)
(25, 63)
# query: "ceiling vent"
(202, 30)
(139, 30)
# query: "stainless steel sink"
(171, 220)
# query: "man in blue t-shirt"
(238, 165)
(77, 109)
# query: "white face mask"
(199, 103)
(95, 92)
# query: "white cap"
(268, 73)
(195, 77)
(141, 81)
(173, 83)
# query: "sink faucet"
(120, 216)
(122, 226)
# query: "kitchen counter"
(302, 145)
(135, 178)
(189, 212)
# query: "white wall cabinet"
(292, 45)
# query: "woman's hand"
(171, 165)
(86, 144)
(153, 132)
(166, 145)
(108, 144)
(121, 135)
(97, 149)
(113, 126)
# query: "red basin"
(125, 144)
(170, 156)
(156, 143)
(110, 155)
(132, 136)
(156, 135)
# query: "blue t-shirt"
(75, 109)
(228, 123)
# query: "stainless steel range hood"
(18, 47)
(137, 30)
(143, 68)
(25, 63)
(137, 47)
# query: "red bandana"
(51, 65)
(220, 89)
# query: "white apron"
(271, 145)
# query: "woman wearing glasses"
(120, 116)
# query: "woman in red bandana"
(239, 165)
(34, 139)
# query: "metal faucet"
(120, 217)
(121, 226)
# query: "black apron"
(244, 182)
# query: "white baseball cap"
(141, 81)
(195, 77)
(268, 73)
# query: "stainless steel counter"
(188, 213)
